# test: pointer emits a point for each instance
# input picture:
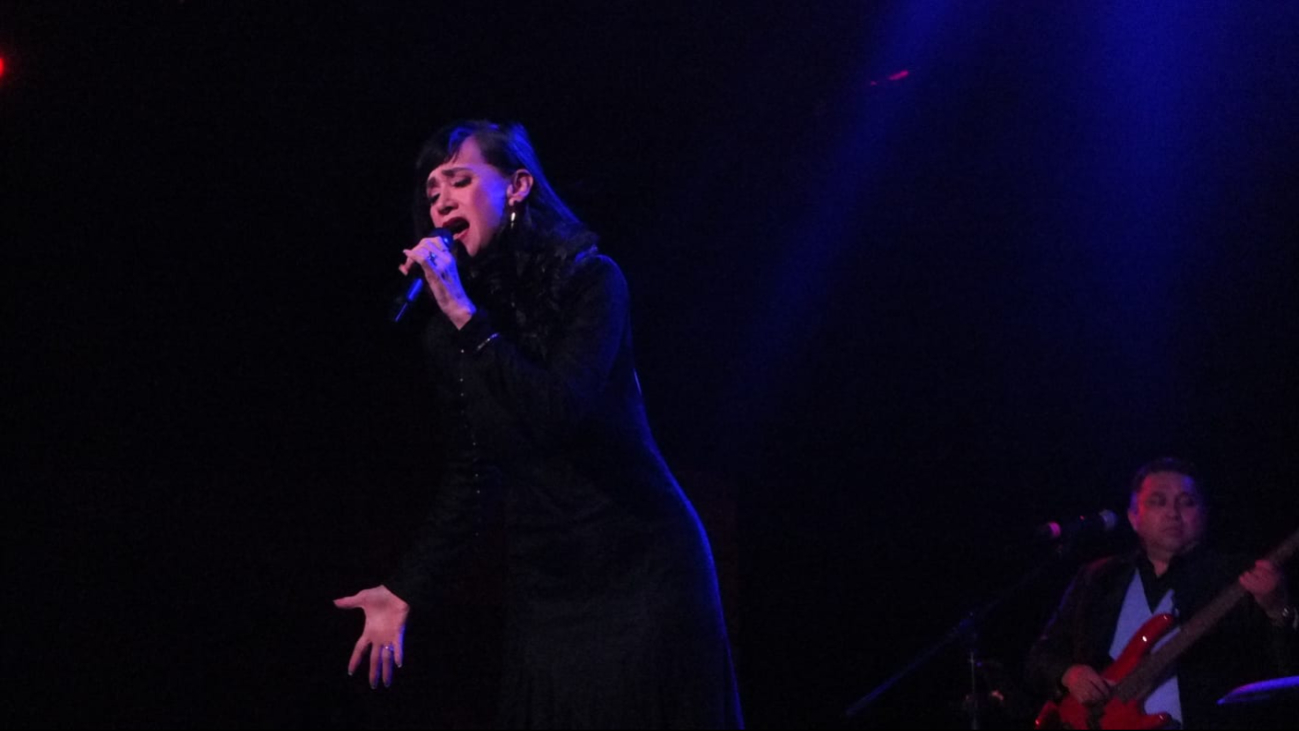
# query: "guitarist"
(1174, 572)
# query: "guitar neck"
(1142, 680)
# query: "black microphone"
(1096, 523)
(415, 284)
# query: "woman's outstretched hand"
(385, 625)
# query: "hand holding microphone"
(431, 265)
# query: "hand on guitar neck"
(1267, 584)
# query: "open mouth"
(457, 226)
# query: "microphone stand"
(967, 631)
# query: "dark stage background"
(886, 322)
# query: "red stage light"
(893, 77)
(2, 67)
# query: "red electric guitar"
(1138, 670)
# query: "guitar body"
(1116, 713)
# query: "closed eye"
(432, 196)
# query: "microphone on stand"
(414, 285)
(1094, 524)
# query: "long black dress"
(613, 618)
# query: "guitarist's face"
(1168, 514)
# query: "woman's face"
(470, 197)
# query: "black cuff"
(476, 332)
(1289, 619)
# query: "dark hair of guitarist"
(1101, 657)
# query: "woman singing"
(613, 618)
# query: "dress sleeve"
(443, 539)
(551, 398)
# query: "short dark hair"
(1166, 464)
